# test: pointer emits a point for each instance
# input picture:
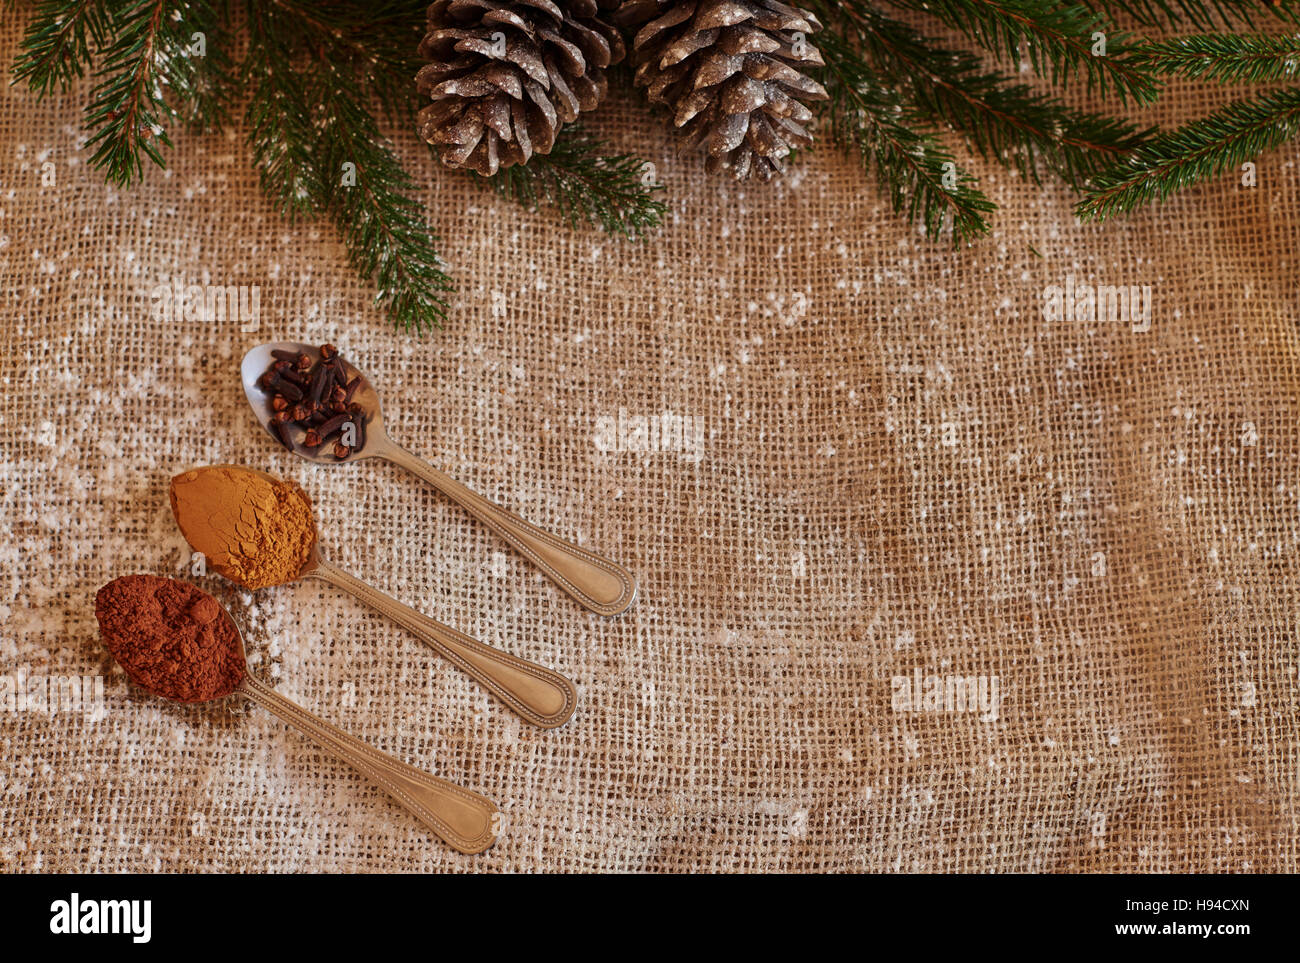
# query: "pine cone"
(505, 77)
(731, 72)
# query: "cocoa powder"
(171, 637)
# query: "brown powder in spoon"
(171, 637)
(253, 529)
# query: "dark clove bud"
(328, 428)
(290, 374)
(340, 372)
(286, 388)
(281, 432)
(321, 383)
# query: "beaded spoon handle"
(597, 583)
(545, 698)
(464, 819)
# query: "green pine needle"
(1226, 138)
(917, 173)
(319, 151)
(1002, 120)
(281, 134)
(388, 237)
(1202, 14)
(374, 41)
(1057, 39)
(1227, 58)
(587, 184)
(149, 65)
(58, 42)
(127, 113)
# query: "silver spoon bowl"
(258, 360)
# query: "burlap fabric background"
(904, 467)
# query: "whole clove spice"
(312, 401)
(271, 381)
(294, 376)
(327, 431)
(360, 438)
(320, 380)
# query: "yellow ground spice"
(253, 529)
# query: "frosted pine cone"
(505, 77)
(732, 73)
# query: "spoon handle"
(543, 697)
(595, 582)
(464, 819)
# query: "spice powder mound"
(172, 638)
(253, 529)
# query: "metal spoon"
(543, 697)
(595, 582)
(464, 819)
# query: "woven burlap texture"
(903, 466)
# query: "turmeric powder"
(254, 529)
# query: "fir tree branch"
(1002, 120)
(204, 86)
(319, 150)
(127, 113)
(587, 185)
(383, 225)
(281, 135)
(57, 42)
(1203, 148)
(872, 119)
(374, 41)
(1057, 39)
(1228, 58)
(1202, 14)
(312, 72)
(147, 65)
